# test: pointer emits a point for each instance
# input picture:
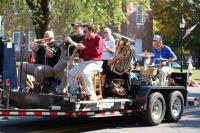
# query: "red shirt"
(93, 48)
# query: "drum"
(150, 72)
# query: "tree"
(167, 16)
(14, 22)
(58, 15)
(40, 13)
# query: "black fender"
(144, 91)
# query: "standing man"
(45, 56)
(76, 36)
(91, 53)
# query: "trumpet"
(40, 41)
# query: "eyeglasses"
(105, 32)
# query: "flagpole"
(182, 27)
(182, 50)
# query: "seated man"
(91, 53)
(76, 36)
(163, 55)
(45, 56)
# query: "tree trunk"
(40, 15)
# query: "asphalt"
(193, 96)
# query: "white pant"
(164, 72)
(86, 70)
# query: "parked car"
(175, 65)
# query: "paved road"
(190, 122)
(194, 91)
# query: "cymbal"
(146, 54)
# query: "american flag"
(189, 30)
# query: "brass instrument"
(39, 41)
(125, 45)
(71, 59)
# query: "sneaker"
(15, 90)
(22, 89)
(93, 98)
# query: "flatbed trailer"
(152, 103)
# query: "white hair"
(50, 34)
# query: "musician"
(91, 53)
(108, 52)
(76, 36)
(163, 55)
(162, 51)
(45, 56)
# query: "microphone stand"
(22, 47)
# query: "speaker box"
(8, 63)
(180, 78)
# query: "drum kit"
(150, 71)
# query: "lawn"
(195, 73)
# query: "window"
(1, 26)
(31, 37)
(140, 15)
(138, 48)
(16, 40)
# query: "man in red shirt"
(91, 53)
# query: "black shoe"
(129, 97)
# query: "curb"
(194, 101)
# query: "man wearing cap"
(163, 55)
(162, 52)
(91, 53)
(76, 36)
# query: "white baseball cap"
(157, 38)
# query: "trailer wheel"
(175, 105)
(155, 109)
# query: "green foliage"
(58, 15)
(167, 16)
(98, 12)
(14, 22)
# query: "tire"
(156, 108)
(175, 105)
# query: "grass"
(195, 73)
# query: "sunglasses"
(84, 31)
(105, 32)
